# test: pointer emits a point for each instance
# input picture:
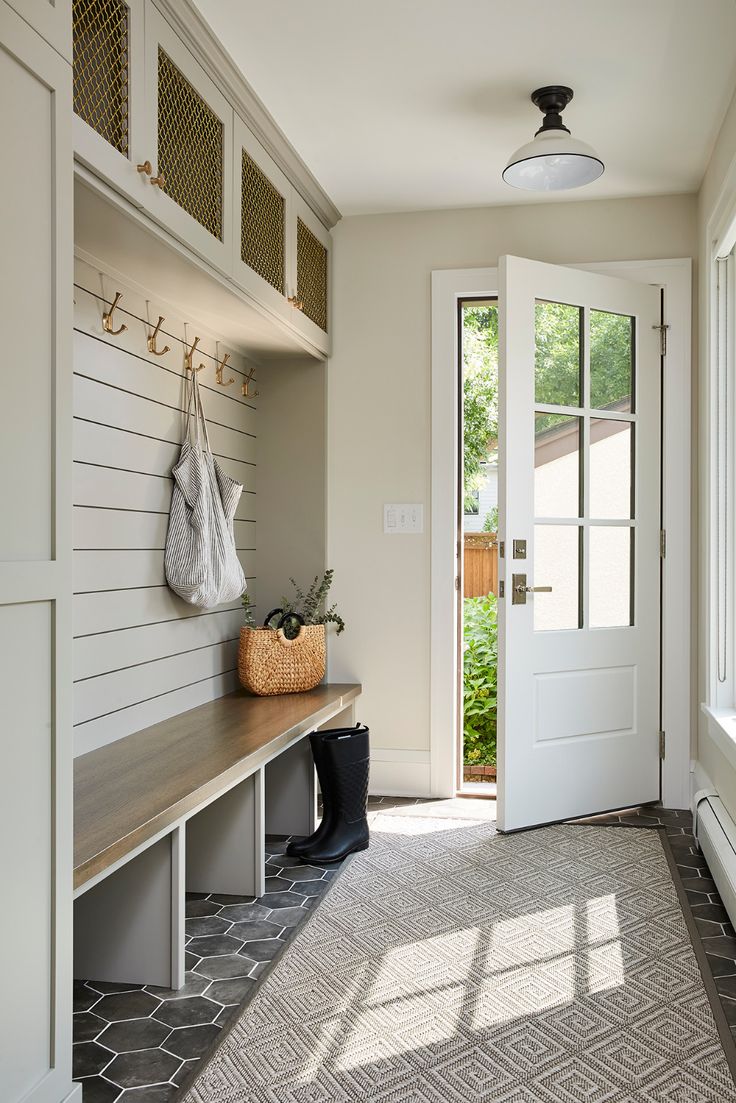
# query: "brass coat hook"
(107, 317)
(188, 357)
(152, 339)
(219, 370)
(246, 392)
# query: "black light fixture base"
(551, 101)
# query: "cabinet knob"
(159, 181)
(145, 168)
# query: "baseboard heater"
(715, 831)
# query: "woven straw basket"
(269, 663)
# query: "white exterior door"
(579, 488)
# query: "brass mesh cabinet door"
(190, 148)
(311, 274)
(262, 226)
(101, 30)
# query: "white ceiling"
(404, 105)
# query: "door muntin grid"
(101, 68)
(311, 275)
(262, 227)
(602, 453)
(190, 148)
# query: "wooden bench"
(185, 805)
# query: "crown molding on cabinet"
(199, 38)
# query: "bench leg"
(129, 928)
(291, 792)
(226, 843)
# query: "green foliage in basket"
(248, 607)
(311, 605)
(480, 662)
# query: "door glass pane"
(557, 361)
(610, 576)
(611, 465)
(556, 564)
(556, 465)
(611, 361)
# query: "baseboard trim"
(400, 773)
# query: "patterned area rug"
(449, 963)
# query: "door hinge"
(662, 338)
(457, 581)
(501, 588)
(502, 550)
(662, 543)
(662, 739)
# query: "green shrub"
(480, 661)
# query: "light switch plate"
(402, 518)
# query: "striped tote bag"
(200, 561)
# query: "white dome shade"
(553, 161)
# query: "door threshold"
(479, 790)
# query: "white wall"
(291, 477)
(716, 194)
(379, 424)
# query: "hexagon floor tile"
(145, 1043)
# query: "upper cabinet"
(262, 216)
(310, 274)
(108, 91)
(282, 249)
(50, 18)
(153, 124)
(189, 131)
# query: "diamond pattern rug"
(449, 963)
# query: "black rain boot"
(316, 739)
(347, 763)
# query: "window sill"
(722, 730)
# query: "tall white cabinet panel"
(35, 566)
(109, 92)
(52, 19)
(189, 133)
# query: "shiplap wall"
(141, 654)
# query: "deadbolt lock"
(519, 549)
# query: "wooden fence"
(480, 564)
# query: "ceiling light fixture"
(553, 160)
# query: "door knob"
(519, 589)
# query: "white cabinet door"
(579, 435)
(109, 73)
(262, 219)
(189, 131)
(52, 19)
(35, 566)
(309, 273)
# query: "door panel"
(579, 427)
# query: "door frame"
(450, 285)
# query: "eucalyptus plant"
(310, 604)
